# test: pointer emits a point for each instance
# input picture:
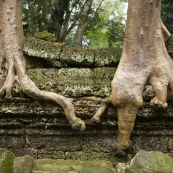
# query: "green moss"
(23, 164)
(149, 162)
(45, 79)
(43, 49)
(45, 35)
(64, 56)
(48, 165)
(6, 161)
(107, 57)
(102, 81)
(75, 82)
(148, 92)
(77, 56)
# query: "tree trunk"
(144, 60)
(33, 23)
(82, 22)
(62, 7)
(11, 37)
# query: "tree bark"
(11, 48)
(82, 22)
(144, 60)
(58, 17)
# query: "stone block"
(102, 81)
(59, 166)
(23, 164)
(6, 161)
(149, 162)
(107, 57)
(74, 56)
(75, 82)
(43, 49)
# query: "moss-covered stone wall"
(63, 56)
(40, 128)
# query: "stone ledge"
(64, 56)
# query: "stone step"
(70, 166)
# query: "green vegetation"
(103, 23)
(6, 161)
(167, 14)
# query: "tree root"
(10, 79)
(155, 102)
(7, 87)
(97, 99)
(101, 110)
(16, 71)
(30, 89)
(104, 104)
(120, 149)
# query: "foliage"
(107, 25)
(35, 13)
(104, 26)
(167, 14)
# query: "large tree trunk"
(11, 37)
(144, 60)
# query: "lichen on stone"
(107, 57)
(102, 81)
(75, 82)
(48, 165)
(43, 49)
(77, 56)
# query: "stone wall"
(40, 128)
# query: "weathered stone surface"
(60, 56)
(45, 78)
(121, 167)
(70, 82)
(150, 162)
(43, 49)
(6, 161)
(64, 56)
(107, 57)
(40, 129)
(77, 82)
(74, 82)
(23, 164)
(69, 166)
(102, 81)
(75, 56)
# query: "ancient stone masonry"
(41, 129)
(36, 121)
(64, 56)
